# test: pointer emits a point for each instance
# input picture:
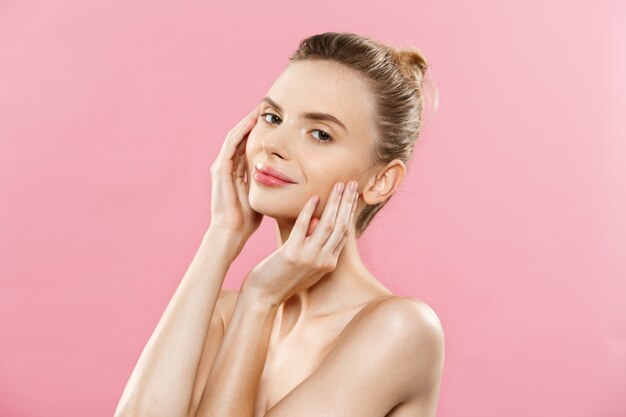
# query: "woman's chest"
(286, 368)
(290, 361)
(295, 353)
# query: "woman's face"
(314, 153)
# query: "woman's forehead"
(320, 78)
(320, 86)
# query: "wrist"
(257, 297)
(224, 241)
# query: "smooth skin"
(311, 332)
(172, 366)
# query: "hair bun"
(414, 66)
(413, 60)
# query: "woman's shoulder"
(402, 314)
(389, 334)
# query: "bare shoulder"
(415, 313)
(413, 340)
(403, 316)
(387, 360)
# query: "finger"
(350, 230)
(327, 221)
(298, 233)
(312, 225)
(247, 121)
(243, 188)
(242, 194)
(237, 133)
(241, 161)
(233, 139)
(340, 246)
(342, 221)
(247, 180)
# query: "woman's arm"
(162, 381)
(232, 386)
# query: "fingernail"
(339, 187)
(314, 199)
(353, 186)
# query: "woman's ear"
(384, 182)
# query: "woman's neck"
(349, 284)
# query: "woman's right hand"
(230, 209)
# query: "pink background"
(511, 224)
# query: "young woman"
(311, 332)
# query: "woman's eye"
(264, 115)
(324, 139)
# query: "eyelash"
(323, 142)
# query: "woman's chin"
(271, 206)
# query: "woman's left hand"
(302, 260)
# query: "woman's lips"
(270, 180)
(268, 175)
(274, 172)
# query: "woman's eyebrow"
(310, 115)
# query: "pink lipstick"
(271, 176)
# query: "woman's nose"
(277, 142)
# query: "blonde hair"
(396, 79)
